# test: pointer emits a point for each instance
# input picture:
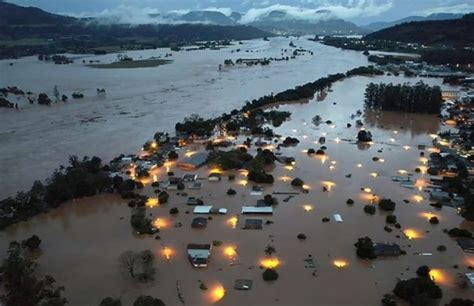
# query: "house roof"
(253, 224)
(470, 277)
(257, 210)
(466, 244)
(203, 209)
(199, 222)
(243, 284)
(196, 160)
(387, 249)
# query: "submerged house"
(467, 244)
(387, 249)
(199, 222)
(189, 177)
(193, 162)
(266, 210)
(198, 254)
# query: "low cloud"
(462, 8)
(346, 10)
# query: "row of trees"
(195, 125)
(418, 98)
(80, 178)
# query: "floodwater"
(83, 239)
(139, 102)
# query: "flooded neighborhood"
(282, 170)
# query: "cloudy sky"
(358, 11)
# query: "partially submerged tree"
(137, 265)
(21, 285)
(147, 300)
(365, 248)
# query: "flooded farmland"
(83, 239)
(139, 101)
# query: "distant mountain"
(377, 26)
(68, 34)
(11, 14)
(456, 32)
(208, 17)
(323, 23)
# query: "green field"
(133, 64)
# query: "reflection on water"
(414, 124)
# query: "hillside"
(377, 26)
(27, 31)
(457, 32)
(11, 14)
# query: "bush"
(140, 223)
(270, 275)
(369, 209)
(231, 191)
(421, 290)
(297, 182)
(365, 248)
(434, 220)
(290, 141)
(173, 155)
(174, 211)
(108, 301)
(387, 204)
(260, 177)
(350, 202)
(146, 300)
(441, 248)
(269, 200)
(31, 243)
(325, 220)
(458, 232)
(391, 219)
(163, 197)
(301, 236)
(364, 136)
(311, 151)
(389, 300)
(460, 302)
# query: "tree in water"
(56, 93)
(22, 287)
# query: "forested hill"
(28, 31)
(18, 22)
(11, 14)
(456, 32)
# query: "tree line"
(418, 98)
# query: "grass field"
(133, 64)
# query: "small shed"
(214, 177)
(253, 224)
(337, 218)
(470, 279)
(267, 210)
(189, 177)
(192, 201)
(203, 209)
(243, 284)
(467, 244)
(387, 249)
